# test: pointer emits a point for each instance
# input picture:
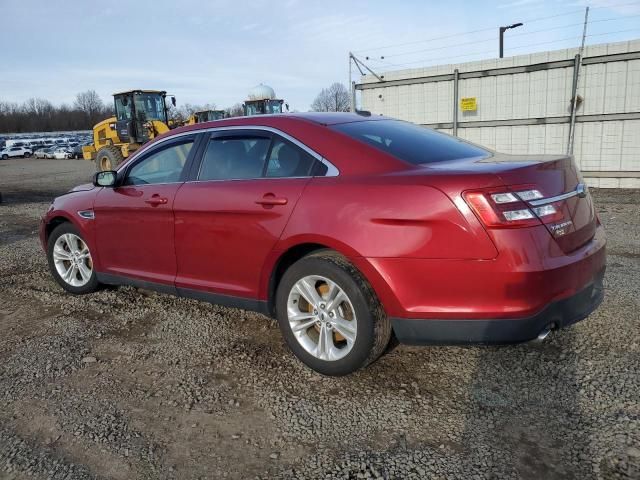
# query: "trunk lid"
(559, 181)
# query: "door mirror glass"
(105, 179)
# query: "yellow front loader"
(141, 115)
(205, 116)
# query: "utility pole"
(501, 34)
(352, 85)
(352, 92)
(574, 101)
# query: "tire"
(5, 156)
(370, 330)
(79, 284)
(108, 158)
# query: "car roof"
(317, 118)
(335, 118)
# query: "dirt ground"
(126, 384)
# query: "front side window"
(164, 166)
(409, 142)
(234, 158)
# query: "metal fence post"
(574, 103)
(455, 102)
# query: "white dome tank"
(262, 92)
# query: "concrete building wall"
(528, 110)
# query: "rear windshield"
(409, 142)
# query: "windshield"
(149, 106)
(274, 106)
(253, 109)
(409, 142)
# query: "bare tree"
(236, 111)
(90, 103)
(332, 99)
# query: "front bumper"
(558, 314)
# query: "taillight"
(508, 208)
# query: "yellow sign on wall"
(468, 104)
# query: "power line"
(539, 19)
(492, 39)
(462, 33)
(575, 37)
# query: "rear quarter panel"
(384, 216)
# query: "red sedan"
(350, 230)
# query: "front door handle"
(270, 199)
(156, 200)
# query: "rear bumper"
(558, 314)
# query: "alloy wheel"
(72, 260)
(322, 317)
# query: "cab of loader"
(208, 115)
(262, 107)
(262, 100)
(136, 110)
(140, 116)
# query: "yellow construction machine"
(141, 115)
(205, 116)
(262, 101)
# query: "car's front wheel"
(70, 260)
(330, 316)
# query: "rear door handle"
(156, 200)
(270, 199)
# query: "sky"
(215, 51)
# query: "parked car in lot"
(75, 152)
(349, 229)
(15, 152)
(40, 152)
(45, 152)
(61, 153)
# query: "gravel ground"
(127, 383)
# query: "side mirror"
(105, 179)
(173, 101)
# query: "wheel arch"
(290, 251)
(53, 223)
(283, 262)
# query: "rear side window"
(287, 160)
(409, 142)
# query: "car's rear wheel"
(330, 316)
(70, 260)
(4, 157)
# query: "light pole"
(502, 30)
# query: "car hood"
(85, 187)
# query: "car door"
(135, 222)
(233, 210)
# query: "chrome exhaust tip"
(544, 333)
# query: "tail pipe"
(545, 332)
